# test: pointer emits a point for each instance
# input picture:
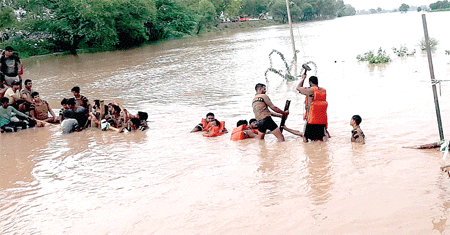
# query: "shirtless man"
(260, 104)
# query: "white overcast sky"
(385, 4)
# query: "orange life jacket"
(204, 124)
(214, 131)
(238, 132)
(318, 109)
(207, 126)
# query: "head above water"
(313, 81)
(142, 116)
(76, 91)
(71, 102)
(28, 83)
(357, 119)
(9, 48)
(15, 85)
(135, 122)
(4, 102)
(260, 88)
(241, 122)
(209, 117)
(253, 123)
(215, 122)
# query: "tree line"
(46, 26)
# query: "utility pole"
(292, 37)
(433, 80)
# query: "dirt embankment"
(245, 24)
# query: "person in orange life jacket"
(261, 104)
(316, 116)
(202, 126)
(214, 129)
(206, 124)
(243, 130)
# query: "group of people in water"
(23, 107)
(315, 117)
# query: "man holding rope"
(260, 105)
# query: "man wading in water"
(260, 104)
(316, 110)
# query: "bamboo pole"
(433, 80)
(292, 37)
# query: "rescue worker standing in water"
(261, 104)
(316, 110)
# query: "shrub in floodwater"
(381, 57)
(287, 75)
(403, 51)
(432, 41)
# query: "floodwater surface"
(169, 181)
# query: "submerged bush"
(381, 57)
(432, 41)
(403, 51)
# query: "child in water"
(357, 134)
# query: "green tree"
(221, 5)
(279, 11)
(254, 7)
(7, 17)
(174, 19)
(308, 11)
(94, 23)
(206, 14)
(403, 8)
(234, 9)
(379, 10)
(440, 5)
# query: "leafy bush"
(381, 57)
(403, 51)
(432, 41)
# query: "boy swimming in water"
(357, 134)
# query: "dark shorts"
(266, 124)
(315, 131)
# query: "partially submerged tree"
(7, 17)
(403, 8)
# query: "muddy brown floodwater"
(169, 181)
